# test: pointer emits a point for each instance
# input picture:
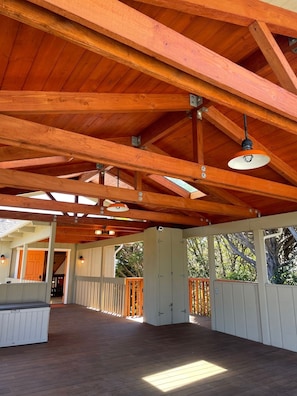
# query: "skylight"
(186, 186)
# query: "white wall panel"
(237, 309)
(274, 315)
(288, 319)
(22, 292)
(282, 303)
(252, 312)
(228, 305)
(219, 308)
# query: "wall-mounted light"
(81, 259)
(2, 258)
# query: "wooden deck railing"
(124, 296)
(199, 301)
(134, 297)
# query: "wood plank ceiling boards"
(142, 102)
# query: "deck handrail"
(124, 296)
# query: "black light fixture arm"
(246, 144)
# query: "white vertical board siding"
(24, 326)
(240, 322)
(22, 292)
(237, 309)
(228, 306)
(281, 304)
(252, 312)
(180, 295)
(165, 303)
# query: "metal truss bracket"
(136, 141)
(293, 44)
(196, 100)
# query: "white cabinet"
(22, 324)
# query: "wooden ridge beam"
(38, 204)
(32, 135)
(93, 41)
(77, 102)
(167, 45)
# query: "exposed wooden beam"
(77, 102)
(32, 181)
(165, 44)
(8, 153)
(239, 12)
(232, 130)
(70, 220)
(86, 38)
(95, 150)
(25, 163)
(274, 56)
(163, 127)
(39, 204)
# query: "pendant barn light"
(117, 206)
(248, 158)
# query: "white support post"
(24, 262)
(212, 278)
(50, 262)
(262, 281)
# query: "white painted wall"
(282, 315)
(5, 267)
(97, 261)
(236, 309)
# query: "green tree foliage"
(281, 253)
(235, 256)
(197, 250)
(129, 260)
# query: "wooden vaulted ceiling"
(103, 99)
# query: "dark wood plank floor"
(91, 353)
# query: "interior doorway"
(58, 277)
(35, 270)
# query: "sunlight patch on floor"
(175, 378)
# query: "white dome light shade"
(249, 159)
(117, 207)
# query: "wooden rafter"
(87, 148)
(239, 12)
(274, 56)
(29, 203)
(86, 38)
(163, 128)
(32, 181)
(176, 50)
(76, 102)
